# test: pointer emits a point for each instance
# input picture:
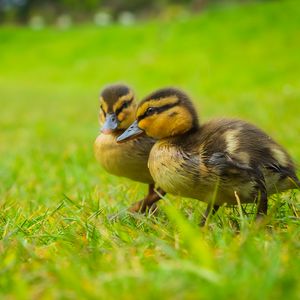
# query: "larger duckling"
(218, 162)
(117, 112)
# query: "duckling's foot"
(262, 206)
(210, 211)
(141, 207)
(148, 203)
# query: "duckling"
(221, 161)
(117, 112)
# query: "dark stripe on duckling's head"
(156, 110)
(167, 112)
(119, 107)
(112, 94)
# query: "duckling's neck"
(183, 137)
(195, 128)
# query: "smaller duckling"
(117, 111)
(216, 162)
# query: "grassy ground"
(56, 241)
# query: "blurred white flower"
(64, 21)
(102, 19)
(126, 18)
(37, 22)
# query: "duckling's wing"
(251, 181)
(225, 163)
(270, 176)
(228, 168)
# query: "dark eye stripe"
(124, 105)
(157, 110)
(103, 110)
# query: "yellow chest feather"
(172, 172)
(126, 159)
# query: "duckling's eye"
(125, 105)
(150, 110)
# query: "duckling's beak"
(131, 132)
(111, 123)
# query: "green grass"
(56, 240)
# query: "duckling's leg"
(149, 201)
(210, 211)
(262, 197)
(262, 206)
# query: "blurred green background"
(235, 59)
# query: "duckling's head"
(165, 113)
(117, 108)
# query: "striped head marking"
(165, 113)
